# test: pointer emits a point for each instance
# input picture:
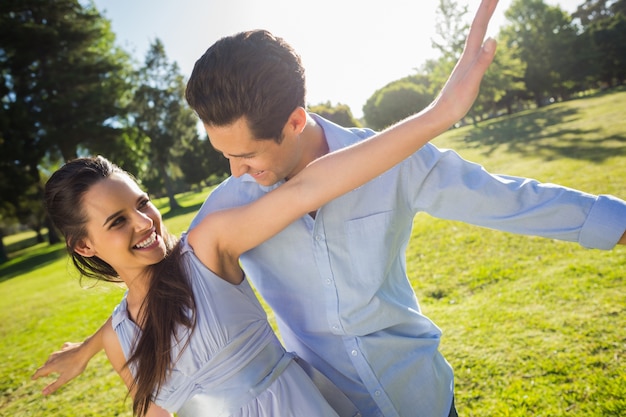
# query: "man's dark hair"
(251, 74)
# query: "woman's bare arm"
(114, 352)
(70, 361)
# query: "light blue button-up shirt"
(338, 283)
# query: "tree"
(339, 114)
(396, 101)
(62, 80)
(593, 10)
(163, 117)
(604, 33)
(6, 218)
(450, 29)
(450, 32)
(609, 39)
(200, 162)
(543, 36)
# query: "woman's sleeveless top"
(233, 365)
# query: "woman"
(199, 333)
(189, 335)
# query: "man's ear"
(296, 121)
(84, 248)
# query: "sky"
(349, 48)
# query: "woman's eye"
(118, 221)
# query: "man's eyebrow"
(241, 155)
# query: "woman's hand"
(69, 362)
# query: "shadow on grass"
(24, 243)
(31, 259)
(180, 211)
(30, 256)
(530, 134)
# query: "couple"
(334, 277)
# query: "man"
(336, 279)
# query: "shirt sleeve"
(445, 185)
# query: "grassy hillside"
(532, 327)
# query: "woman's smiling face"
(123, 227)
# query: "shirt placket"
(322, 260)
(359, 360)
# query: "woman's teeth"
(145, 243)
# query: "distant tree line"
(68, 90)
(545, 55)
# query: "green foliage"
(201, 163)
(502, 86)
(62, 73)
(61, 81)
(161, 114)
(531, 326)
(451, 28)
(609, 39)
(396, 101)
(339, 114)
(592, 11)
(544, 55)
(544, 36)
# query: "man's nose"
(237, 167)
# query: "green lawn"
(532, 327)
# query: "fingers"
(474, 43)
(47, 368)
(485, 56)
(481, 21)
(461, 89)
(40, 372)
(481, 62)
(478, 53)
(62, 362)
(58, 383)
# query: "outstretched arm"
(235, 231)
(70, 361)
(115, 354)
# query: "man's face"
(264, 160)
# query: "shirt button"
(318, 237)
(328, 282)
(335, 327)
(377, 393)
(354, 353)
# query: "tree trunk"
(168, 188)
(53, 236)
(3, 250)
(40, 238)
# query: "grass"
(532, 327)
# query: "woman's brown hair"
(169, 303)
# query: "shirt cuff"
(605, 223)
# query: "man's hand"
(69, 362)
(461, 88)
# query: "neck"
(315, 144)
(137, 293)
